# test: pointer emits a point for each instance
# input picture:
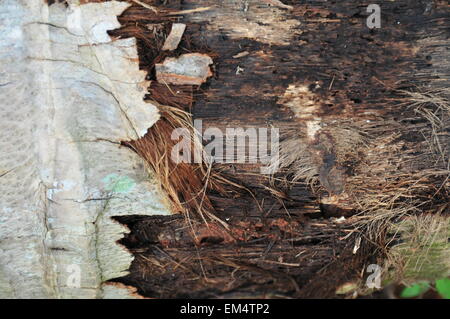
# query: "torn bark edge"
(116, 290)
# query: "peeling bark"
(70, 95)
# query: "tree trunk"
(364, 121)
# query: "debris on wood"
(239, 70)
(147, 6)
(157, 29)
(340, 220)
(346, 288)
(269, 25)
(357, 245)
(174, 37)
(241, 54)
(188, 69)
(279, 4)
(212, 234)
(190, 11)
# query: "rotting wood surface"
(321, 55)
(349, 77)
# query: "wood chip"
(241, 54)
(279, 4)
(357, 245)
(188, 69)
(174, 37)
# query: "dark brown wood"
(289, 244)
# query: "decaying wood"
(364, 119)
(354, 139)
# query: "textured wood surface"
(336, 89)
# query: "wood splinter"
(278, 3)
(174, 37)
(145, 6)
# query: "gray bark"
(68, 96)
